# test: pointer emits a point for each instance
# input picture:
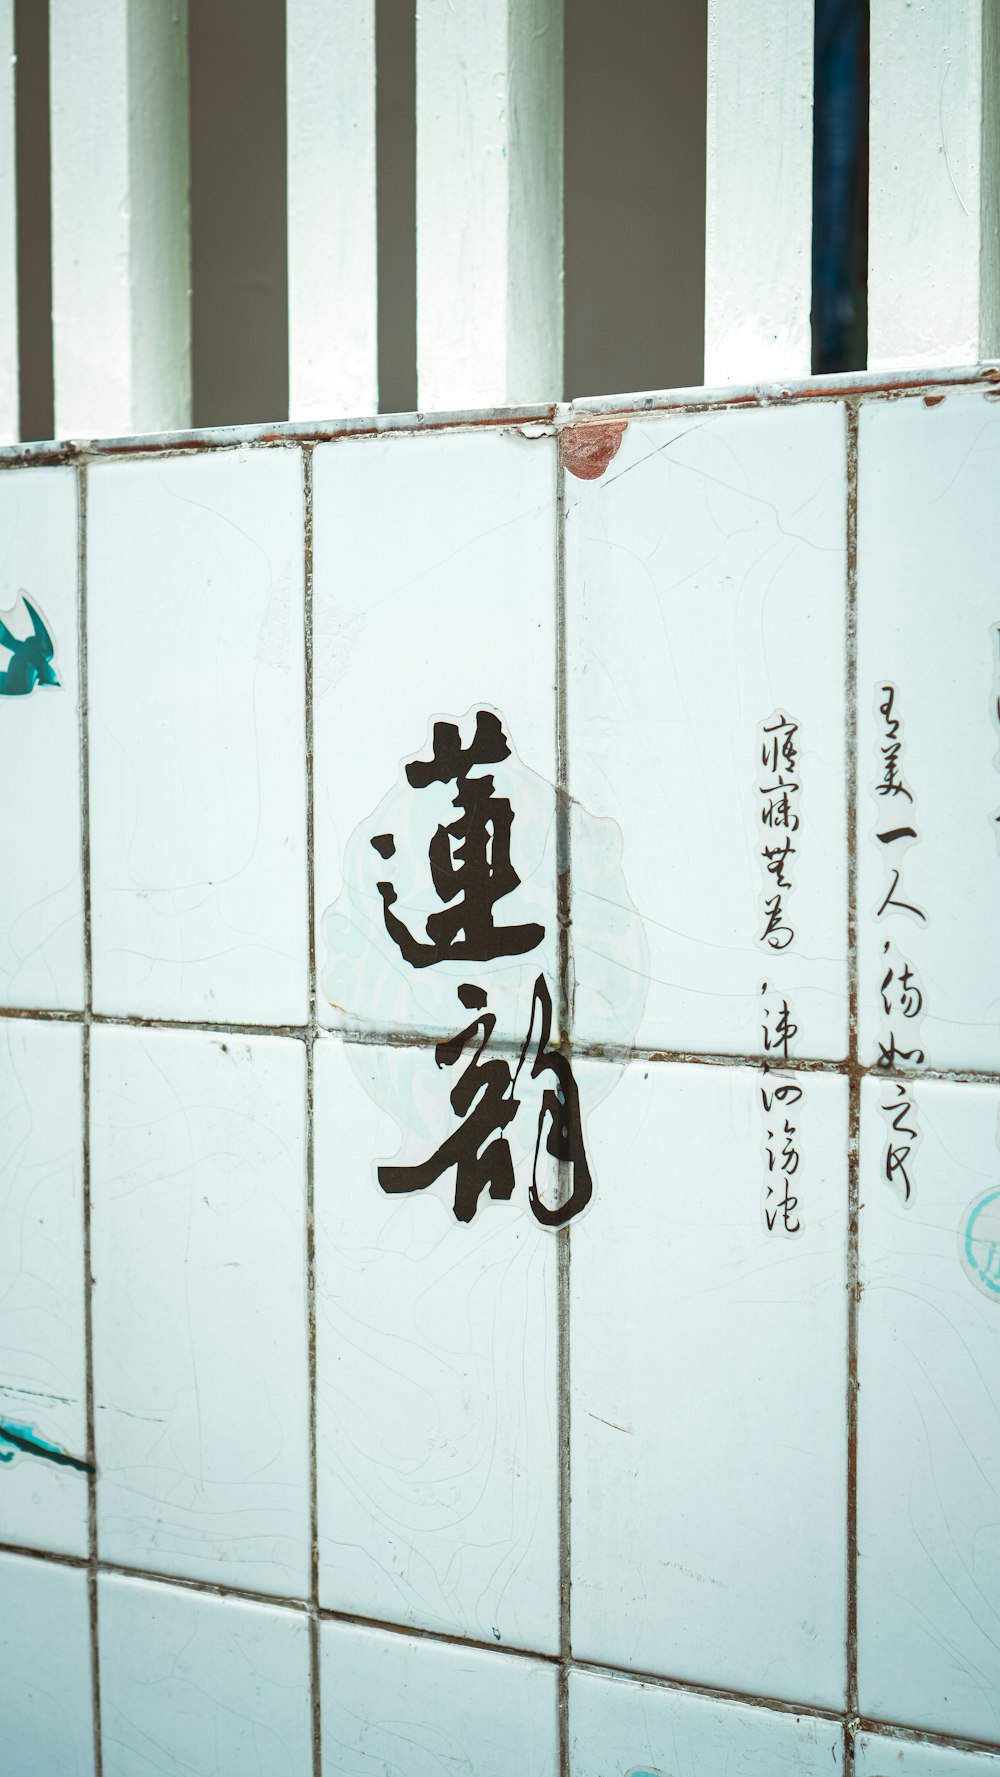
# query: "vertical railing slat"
(758, 248)
(934, 185)
(120, 216)
(9, 381)
(332, 301)
(489, 202)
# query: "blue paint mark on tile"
(31, 657)
(17, 1440)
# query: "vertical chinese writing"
(995, 714)
(900, 993)
(779, 1204)
(778, 1098)
(902, 1135)
(471, 870)
(777, 787)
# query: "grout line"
(925, 1736)
(618, 1054)
(88, 978)
(564, 857)
(310, 1042)
(900, 1731)
(290, 434)
(564, 918)
(855, 1074)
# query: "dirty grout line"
(898, 1731)
(310, 1044)
(870, 386)
(564, 918)
(87, 1020)
(617, 1054)
(855, 1077)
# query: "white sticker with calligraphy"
(448, 926)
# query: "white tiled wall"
(43, 1504)
(434, 598)
(41, 882)
(200, 1342)
(705, 593)
(392, 1703)
(437, 1413)
(708, 1421)
(383, 1492)
(196, 1683)
(929, 1432)
(928, 601)
(197, 735)
(876, 1755)
(619, 1728)
(46, 1706)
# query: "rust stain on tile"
(587, 450)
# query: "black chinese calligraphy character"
(470, 860)
(909, 998)
(788, 1094)
(777, 935)
(895, 1160)
(778, 811)
(892, 781)
(783, 1032)
(789, 1153)
(775, 858)
(902, 906)
(889, 1055)
(485, 1095)
(787, 1205)
(781, 746)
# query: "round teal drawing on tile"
(979, 1243)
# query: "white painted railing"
(489, 201)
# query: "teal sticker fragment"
(16, 1440)
(31, 657)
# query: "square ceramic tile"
(876, 1755)
(194, 1685)
(706, 623)
(197, 737)
(418, 1708)
(41, 883)
(43, 1414)
(619, 1728)
(434, 631)
(436, 1375)
(199, 1310)
(929, 1425)
(709, 1372)
(929, 730)
(46, 1720)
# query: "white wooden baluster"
(120, 234)
(9, 418)
(934, 192)
(489, 202)
(332, 304)
(758, 252)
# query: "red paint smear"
(587, 450)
